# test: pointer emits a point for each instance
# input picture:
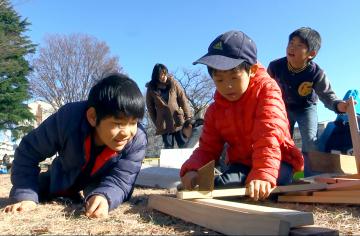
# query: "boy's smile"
(115, 132)
(298, 53)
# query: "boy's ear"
(91, 116)
(312, 54)
(253, 70)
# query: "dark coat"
(168, 117)
(64, 133)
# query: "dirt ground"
(63, 218)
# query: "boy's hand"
(189, 180)
(259, 189)
(342, 106)
(22, 206)
(97, 207)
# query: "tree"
(68, 66)
(14, 87)
(199, 89)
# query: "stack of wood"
(344, 189)
(229, 217)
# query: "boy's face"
(298, 53)
(115, 132)
(231, 84)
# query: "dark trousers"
(236, 174)
(169, 140)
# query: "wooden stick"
(354, 130)
(244, 192)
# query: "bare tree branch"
(68, 66)
(199, 89)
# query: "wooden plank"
(354, 131)
(243, 191)
(222, 220)
(313, 230)
(351, 185)
(206, 176)
(333, 180)
(345, 193)
(295, 218)
(332, 163)
(321, 199)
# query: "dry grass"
(134, 218)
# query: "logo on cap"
(218, 46)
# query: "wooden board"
(332, 163)
(321, 199)
(216, 218)
(354, 131)
(344, 193)
(243, 191)
(206, 176)
(295, 218)
(350, 185)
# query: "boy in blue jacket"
(302, 82)
(99, 144)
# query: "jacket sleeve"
(150, 104)
(270, 127)
(36, 146)
(326, 95)
(183, 101)
(270, 70)
(210, 146)
(117, 186)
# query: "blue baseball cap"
(229, 50)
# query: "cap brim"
(219, 62)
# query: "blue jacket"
(64, 133)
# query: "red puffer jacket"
(256, 129)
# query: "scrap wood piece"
(216, 218)
(349, 185)
(345, 193)
(332, 163)
(295, 218)
(313, 230)
(321, 199)
(354, 131)
(243, 191)
(334, 180)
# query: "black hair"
(309, 36)
(158, 68)
(116, 95)
(243, 66)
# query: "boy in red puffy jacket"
(248, 115)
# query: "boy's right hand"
(189, 180)
(22, 206)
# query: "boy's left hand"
(259, 189)
(97, 207)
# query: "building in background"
(41, 110)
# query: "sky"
(177, 32)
